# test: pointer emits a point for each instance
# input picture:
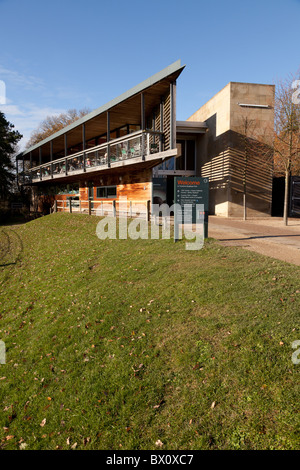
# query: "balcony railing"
(137, 144)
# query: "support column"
(143, 124)
(173, 115)
(66, 154)
(161, 124)
(51, 158)
(108, 138)
(40, 161)
(153, 138)
(83, 146)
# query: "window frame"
(105, 188)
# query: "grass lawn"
(120, 344)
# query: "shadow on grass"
(10, 248)
(12, 222)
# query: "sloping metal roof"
(174, 69)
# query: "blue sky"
(56, 55)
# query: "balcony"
(138, 145)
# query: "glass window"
(170, 164)
(101, 192)
(161, 166)
(133, 128)
(106, 192)
(68, 189)
(123, 131)
(91, 143)
(112, 191)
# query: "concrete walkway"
(269, 237)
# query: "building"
(239, 112)
(134, 147)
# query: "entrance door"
(170, 190)
(278, 197)
(295, 197)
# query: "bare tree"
(52, 124)
(286, 135)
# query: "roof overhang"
(124, 109)
(191, 127)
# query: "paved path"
(266, 236)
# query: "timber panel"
(167, 122)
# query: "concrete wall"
(221, 153)
(251, 93)
(211, 161)
(219, 106)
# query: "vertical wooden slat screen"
(167, 121)
(157, 125)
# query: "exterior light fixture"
(248, 105)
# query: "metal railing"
(137, 144)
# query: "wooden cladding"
(135, 186)
(135, 191)
(160, 120)
(167, 122)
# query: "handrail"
(115, 207)
(98, 147)
(104, 200)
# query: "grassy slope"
(118, 344)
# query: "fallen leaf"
(162, 402)
(43, 422)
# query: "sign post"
(191, 203)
